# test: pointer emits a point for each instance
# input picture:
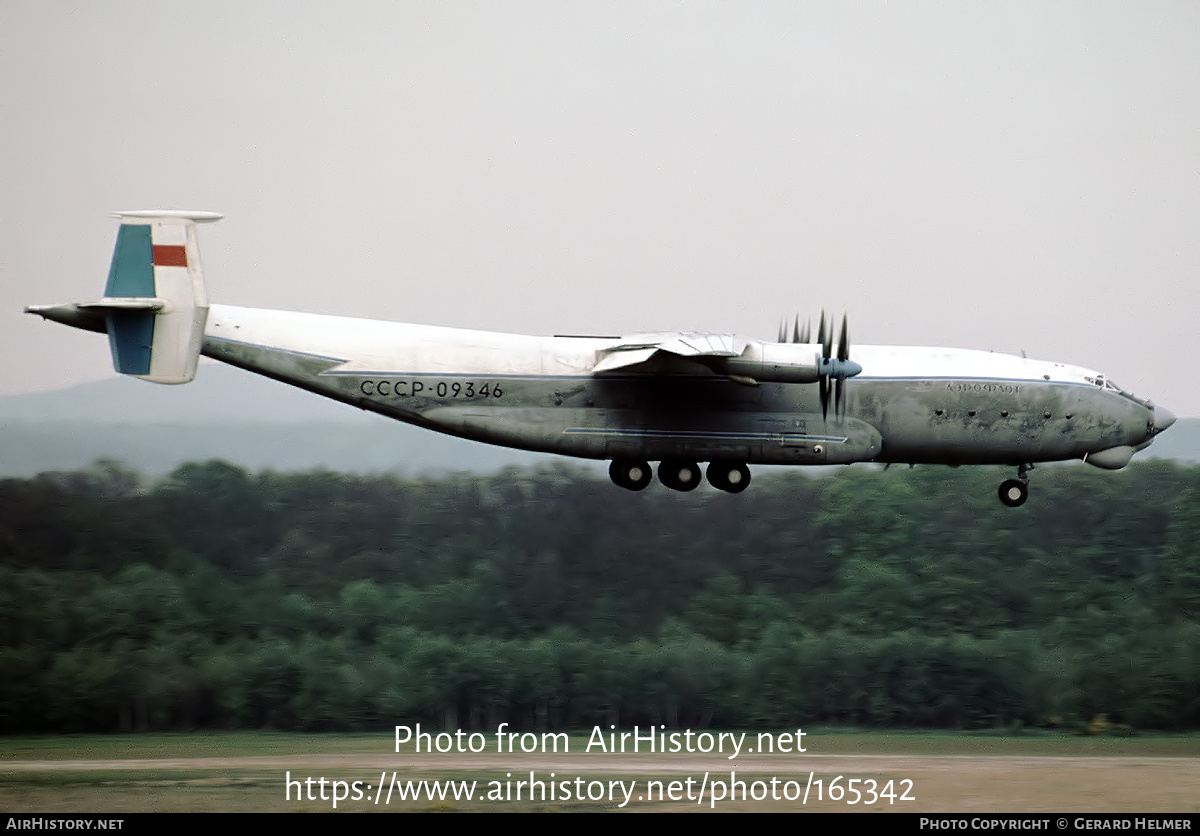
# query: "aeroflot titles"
(1007, 388)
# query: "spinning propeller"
(832, 368)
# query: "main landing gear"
(629, 474)
(634, 475)
(731, 477)
(679, 475)
(1014, 492)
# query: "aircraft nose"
(1163, 419)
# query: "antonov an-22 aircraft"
(675, 398)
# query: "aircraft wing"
(654, 353)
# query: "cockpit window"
(1104, 383)
(1109, 386)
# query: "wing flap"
(617, 359)
(659, 353)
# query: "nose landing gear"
(1014, 492)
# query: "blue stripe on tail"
(131, 338)
(132, 270)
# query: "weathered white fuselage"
(909, 404)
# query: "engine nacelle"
(785, 363)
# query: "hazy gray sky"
(993, 175)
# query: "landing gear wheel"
(733, 478)
(630, 474)
(679, 476)
(1014, 492)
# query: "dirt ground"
(1009, 782)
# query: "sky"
(1019, 176)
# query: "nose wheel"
(1014, 492)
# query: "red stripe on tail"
(170, 256)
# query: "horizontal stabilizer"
(107, 305)
(71, 314)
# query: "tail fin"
(155, 305)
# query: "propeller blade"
(806, 334)
(824, 389)
(825, 338)
(844, 342)
(796, 329)
(782, 331)
(839, 399)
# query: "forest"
(548, 599)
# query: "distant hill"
(1181, 443)
(262, 424)
(228, 414)
(219, 394)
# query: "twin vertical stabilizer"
(155, 306)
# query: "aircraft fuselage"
(908, 405)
